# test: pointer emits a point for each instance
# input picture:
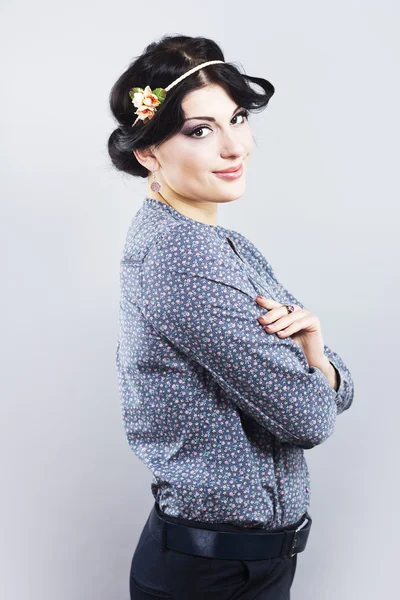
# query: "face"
(216, 136)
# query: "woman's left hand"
(301, 325)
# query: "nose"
(232, 145)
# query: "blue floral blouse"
(219, 410)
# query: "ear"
(146, 158)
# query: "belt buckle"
(292, 551)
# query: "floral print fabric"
(219, 410)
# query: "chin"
(233, 191)
(231, 196)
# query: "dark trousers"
(164, 573)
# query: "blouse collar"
(159, 205)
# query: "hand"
(301, 325)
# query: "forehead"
(212, 100)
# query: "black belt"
(251, 545)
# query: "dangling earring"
(155, 185)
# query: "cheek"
(178, 162)
(183, 168)
(193, 162)
(248, 139)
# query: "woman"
(223, 374)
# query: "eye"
(243, 113)
(197, 130)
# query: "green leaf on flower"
(160, 93)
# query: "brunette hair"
(159, 64)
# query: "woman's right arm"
(345, 392)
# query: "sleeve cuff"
(341, 398)
(339, 378)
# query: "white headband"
(146, 100)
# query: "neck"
(199, 210)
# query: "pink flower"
(145, 96)
(145, 112)
(146, 101)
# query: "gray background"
(321, 203)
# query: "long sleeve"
(198, 297)
(345, 392)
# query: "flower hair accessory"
(147, 100)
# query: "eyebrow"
(209, 118)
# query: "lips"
(230, 175)
(230, 170)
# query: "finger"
(297, 325)
(286, 321)
(267, 302)
(276, 313)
